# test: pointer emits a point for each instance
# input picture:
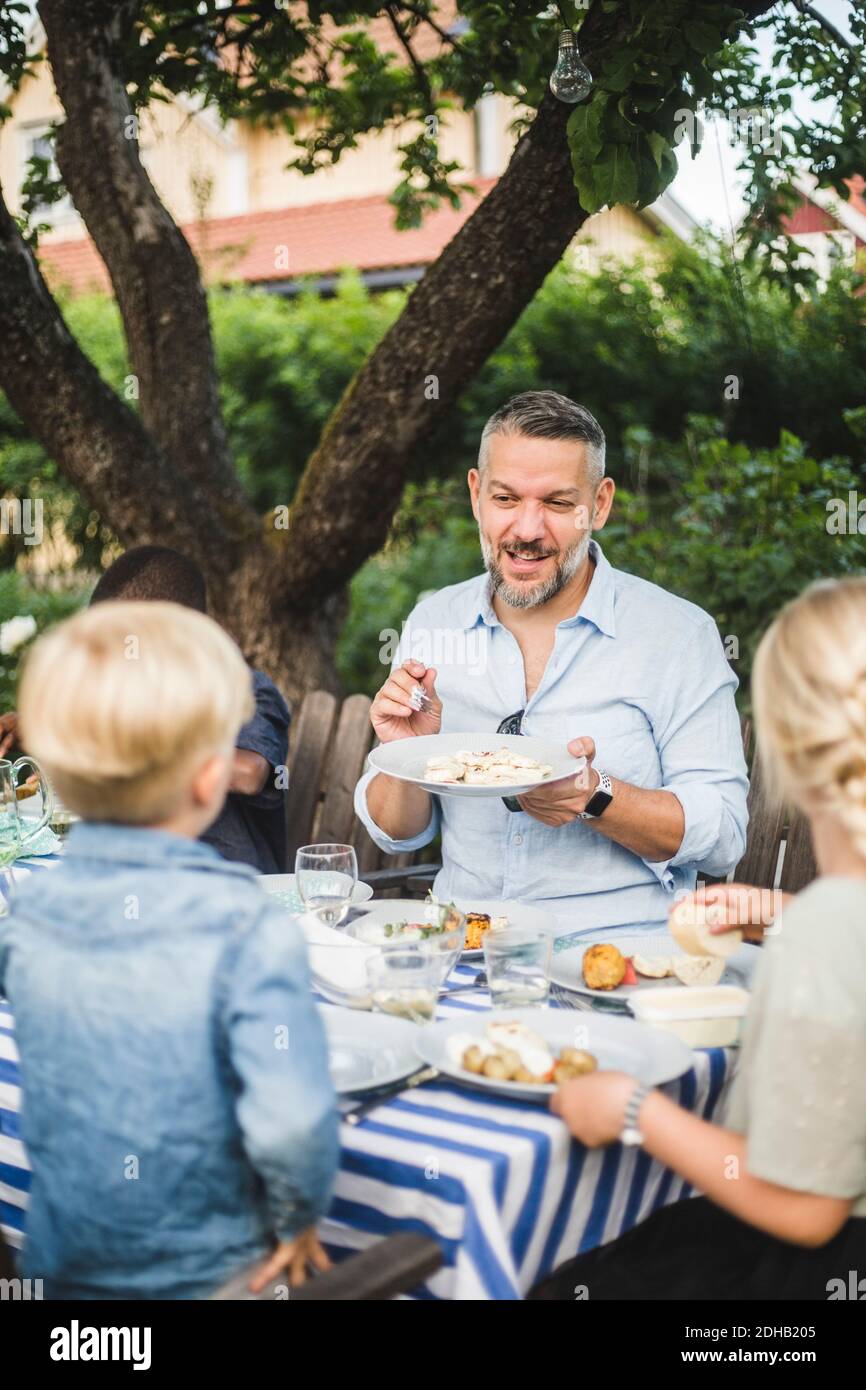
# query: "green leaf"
(616, 176)
(658, 145)
(703, 36)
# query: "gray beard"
(534, 595)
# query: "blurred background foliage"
(723, 486)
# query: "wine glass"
(325, 877)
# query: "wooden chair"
(329, 745)
(7, 1268)
(775, 834)
(388, 1268)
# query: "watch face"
(598, 802)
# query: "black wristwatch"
(600, 799)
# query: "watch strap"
(631, 1133)
(600, 799)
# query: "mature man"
(618, 669)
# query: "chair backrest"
(329, 744)
(774, 830)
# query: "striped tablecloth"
(500, 1184)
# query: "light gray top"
(800, 1089)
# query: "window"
(38, 143)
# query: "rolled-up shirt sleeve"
(376, 833)
(701, 753)
(378, 836)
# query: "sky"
(709, 186)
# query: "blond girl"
(784, 1176)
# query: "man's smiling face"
(536, 505)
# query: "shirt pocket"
(625, 746)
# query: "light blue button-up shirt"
(638, 670)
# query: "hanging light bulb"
(571, 79)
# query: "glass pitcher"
(15, 830)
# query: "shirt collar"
(597, 607)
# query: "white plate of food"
(596, 966)
(410, 919)
(366, 1051)
(284, 890)
(526, 1053)
(476, 765)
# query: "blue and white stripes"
(499, 1184)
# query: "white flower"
(15, 633)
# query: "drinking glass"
(405, 982)
(325, 876)
(446, 942)
(17, 829)
(518, 967)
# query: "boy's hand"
(8, 732)
(294, 1256)
(593, 1106)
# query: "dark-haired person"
(251, 827)
(552, 641)
(8, 733)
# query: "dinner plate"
(567, 966)
(366, 1051)
(369, 926)
(618, 1043)
(406, 759)
(282, 887)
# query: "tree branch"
(153, 271)
(76, 417)
(417, 67)
(829, 29)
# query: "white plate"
(284, 885)
(620, 1044)
(366, 1051)
(370, 926)
(567, 966)
(406, 759)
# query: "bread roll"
(690, 926)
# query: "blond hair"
(809, 689)
(122, 703)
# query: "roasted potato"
(603, 966)
(495, 1068)
(582, 1061)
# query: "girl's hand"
(593, 1106)
(756, 911)
(294, 1256)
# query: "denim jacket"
(177, 1107)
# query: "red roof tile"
(318, 239)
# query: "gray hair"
(547, 415)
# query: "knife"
(354, 1117)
